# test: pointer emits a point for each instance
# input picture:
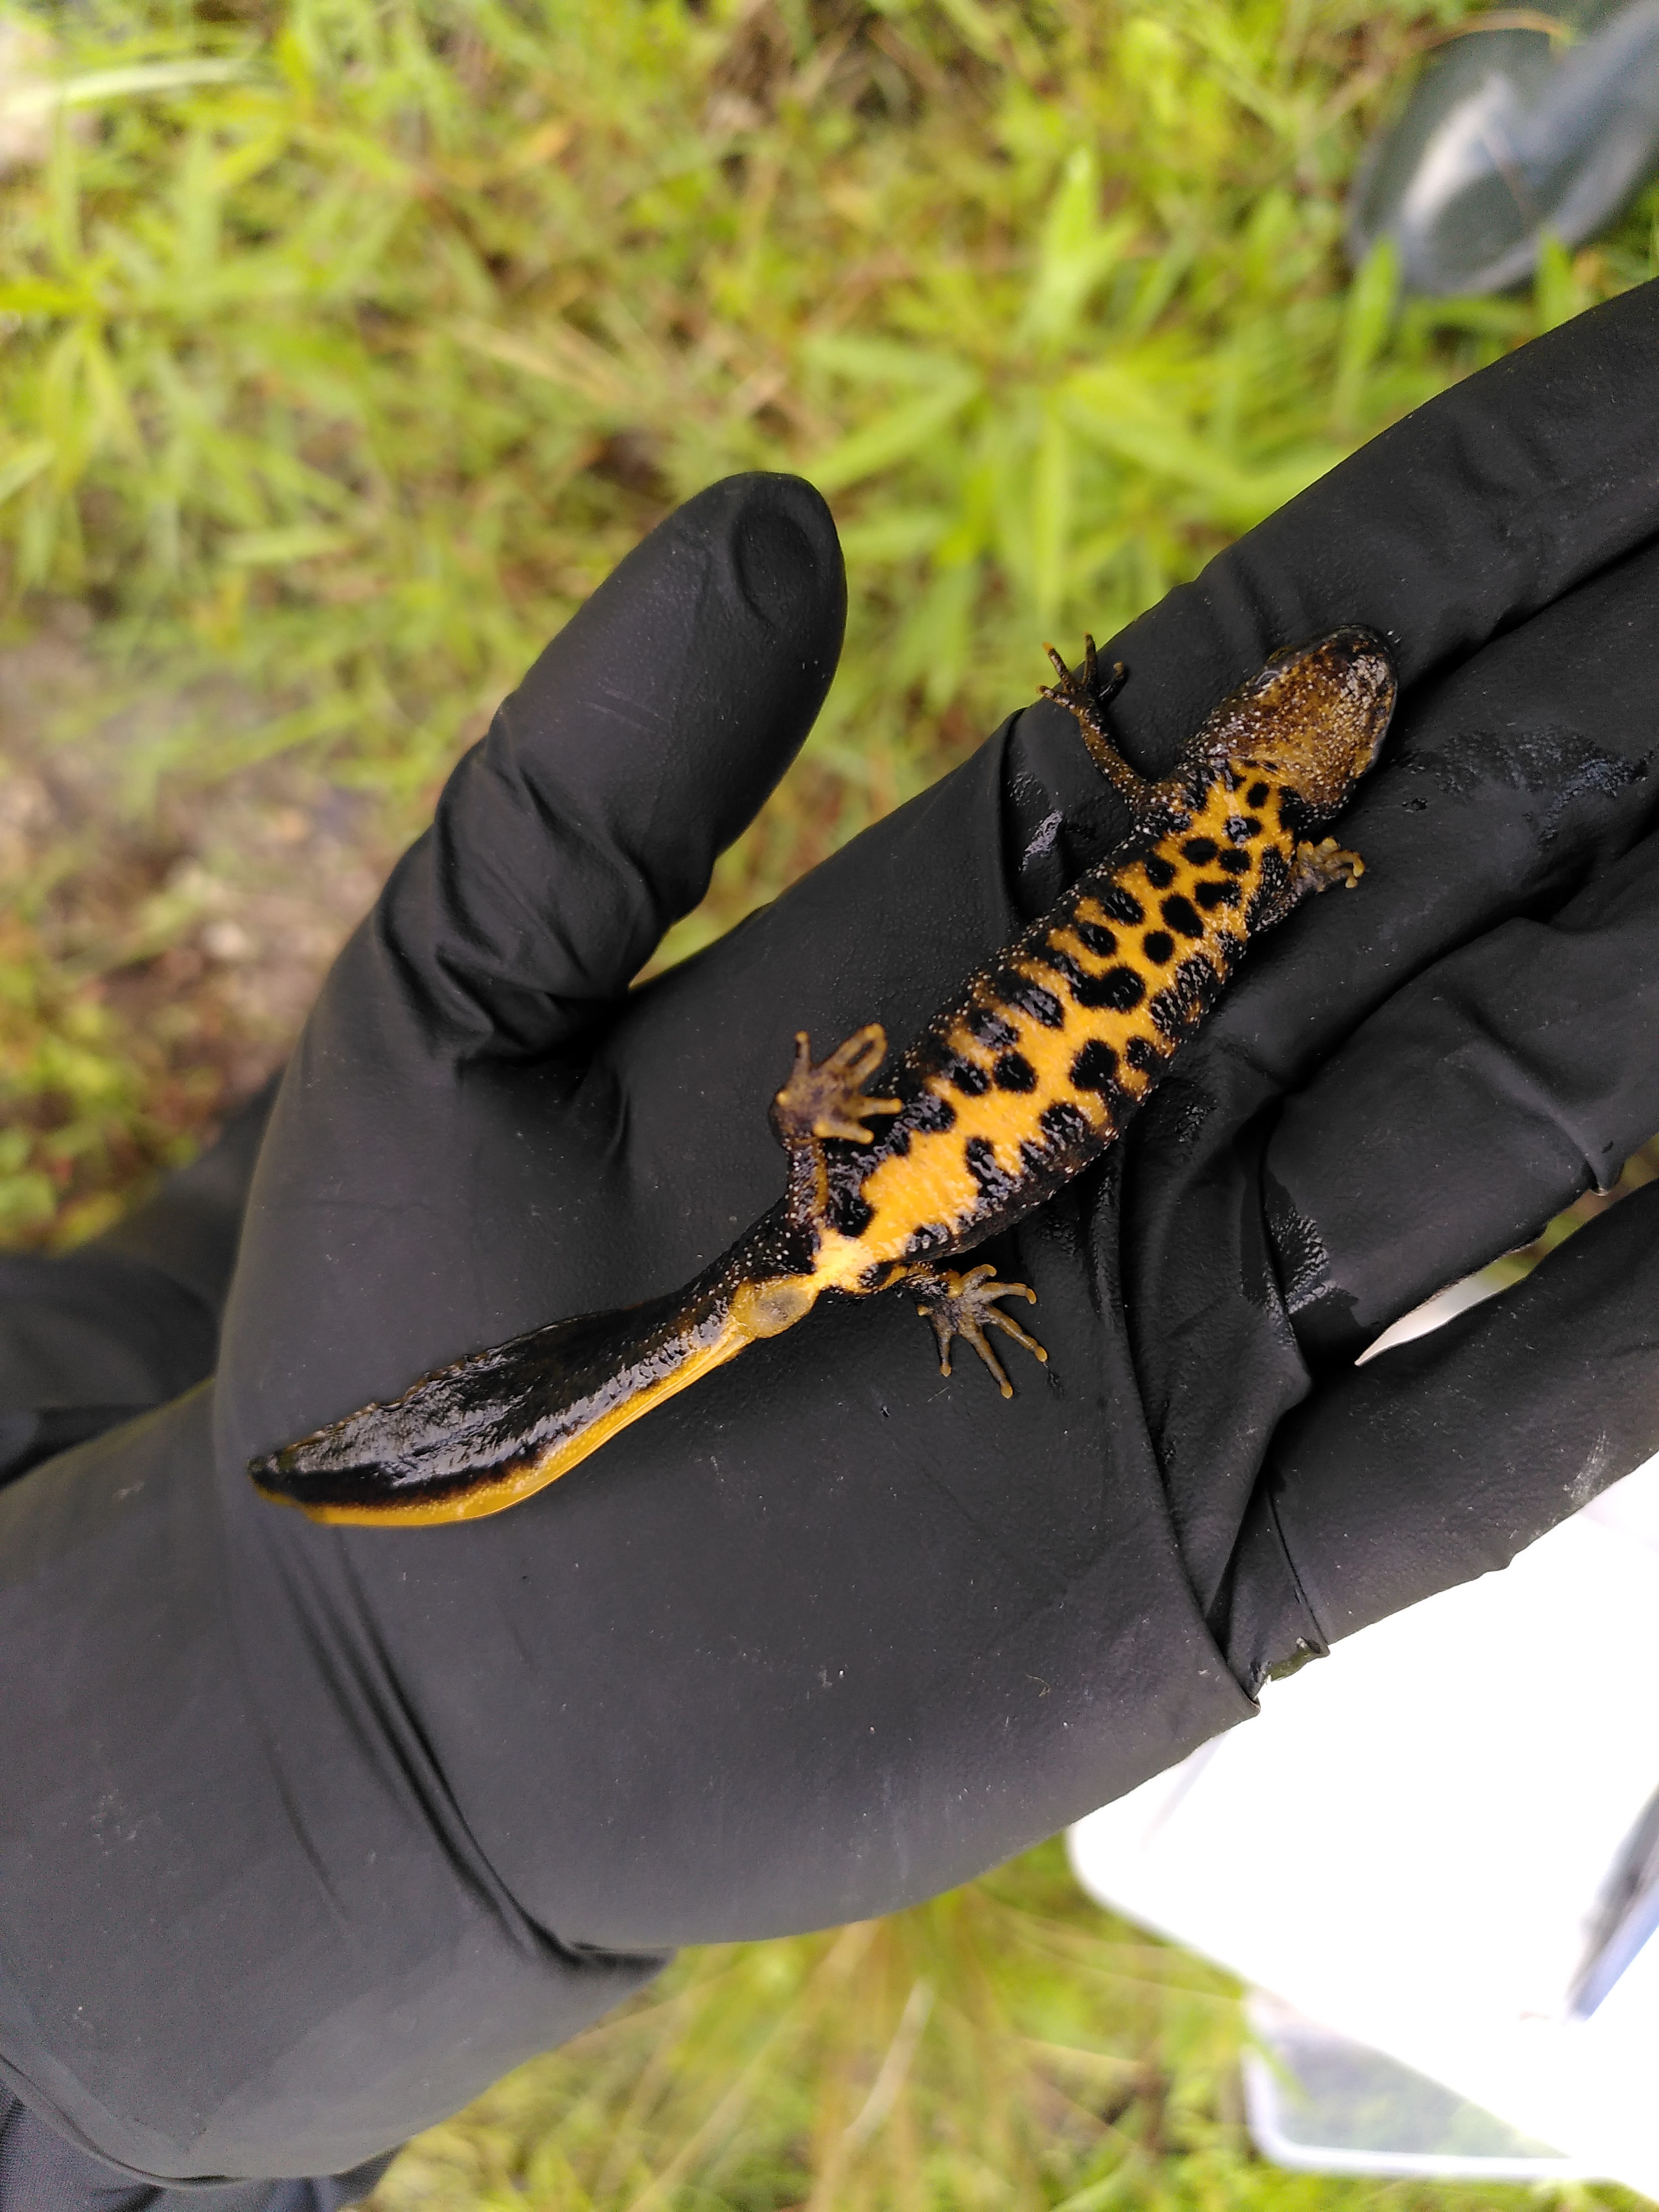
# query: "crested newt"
(1027, 1075)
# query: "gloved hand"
(829, 1632)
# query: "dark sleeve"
(90, 1338)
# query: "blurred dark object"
(1511, 137)
(1629, 1914)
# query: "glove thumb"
(644, 739)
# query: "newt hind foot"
(963, 1305)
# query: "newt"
(1026, 1076)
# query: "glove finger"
(1441, 1459)
(1487, 1095)
(643, 740)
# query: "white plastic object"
(1412, 1844)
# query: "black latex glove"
(86, 1341)
(829, 1632)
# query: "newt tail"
(1028, 1074)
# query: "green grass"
(994, 2047)
(345, 347)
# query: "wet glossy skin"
(1015, 1086)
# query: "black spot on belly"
(928, 1238)
(1027, 997)
(1065, 1126)
(963, 1075)
(927, 1114)
(1118, 901)
(994, 1181)
(1181, 914)
(1120, 988)
(1158, 945)
(989, 1028)
(1055, 957)
(1159, 872)
(1095, 1067)
(1214, 891)
(1141, 1052)
(1236, 863)
(1095, 939)
(1241, 828)
(1199, 978)
(1270, 889)
(1258, 795)
(848, 1212)
(1190, 991)
(1014, 1071)
(1200, 851)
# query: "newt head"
(1314, 717)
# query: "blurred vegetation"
(347, 344)
(994, 2047)
(1008, 2045)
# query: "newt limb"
(1087, 695)
(820, 1103)
(828, 1099)
(961, 1305)
(1321, 867)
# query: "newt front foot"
(829, 1100)
(961, 1305)
(1082, 690)
(1320, 867)
(1087, 694)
